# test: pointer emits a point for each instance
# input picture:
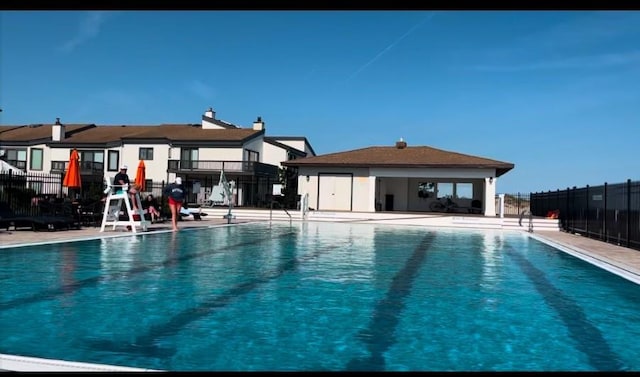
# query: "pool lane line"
(379, 336)
(66, 289)
(587, 338)
(147, 344)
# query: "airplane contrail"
(392, 45)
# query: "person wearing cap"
(176, 194)
(122, 180)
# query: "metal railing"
(208, 166)
(86, 167)
(281, 207)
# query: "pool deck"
(620, 260)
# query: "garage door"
(335, 192)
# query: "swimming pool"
(318, 297)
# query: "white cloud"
(201, 89)
(592, 62)
(89, 28)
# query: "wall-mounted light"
(490, 180)
(308, 178)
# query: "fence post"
(586, 215)
(605, 236)
(568, 207)
(10, 187)
(628, 211)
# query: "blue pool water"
(318, 297)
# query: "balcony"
(22, 165)
(86, 167)
(236, 167)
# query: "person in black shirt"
(122, 179)
(151, 205)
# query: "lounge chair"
(195, 212)
(7, 215)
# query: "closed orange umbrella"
(72, 176)
(141, 176)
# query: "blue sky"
(554, 92)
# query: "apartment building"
(196, 152)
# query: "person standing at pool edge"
(177, 194)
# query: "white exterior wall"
(54, 154)
(300, 145)
(490, 197)
(297, 144)
(362, 199)
(402, 183)
(48, 155)
(273, 155)
(220, 154)
(210, 126)
(432, 172)
(256, 145)
(308, 185)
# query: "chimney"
(258, 124)
(207, 120)
(57, 131)
(210, 113)
(401, 144)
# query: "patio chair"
(35, 222)
(476, 206)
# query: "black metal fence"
(24, 192)
(609, 213)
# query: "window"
(145, 154)
(445, 190)
(188, 158)
(36, 159)
(113, 164)
(17, 158)
(250, 155)
(426, 190)
(91, 160)
(464, 190)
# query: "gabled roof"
(8, 128)
(170, 132)
(219, 122)
(408, 157)
(286, 147)
(278, 139)
(37, 133)
(79, 135)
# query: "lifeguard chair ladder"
(113, 204)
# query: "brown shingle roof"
(409, 157)
(79, 134)
(35, 132)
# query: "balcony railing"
(22, 165)
(238, 167)
(86, 167)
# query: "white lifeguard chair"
(111, 214)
